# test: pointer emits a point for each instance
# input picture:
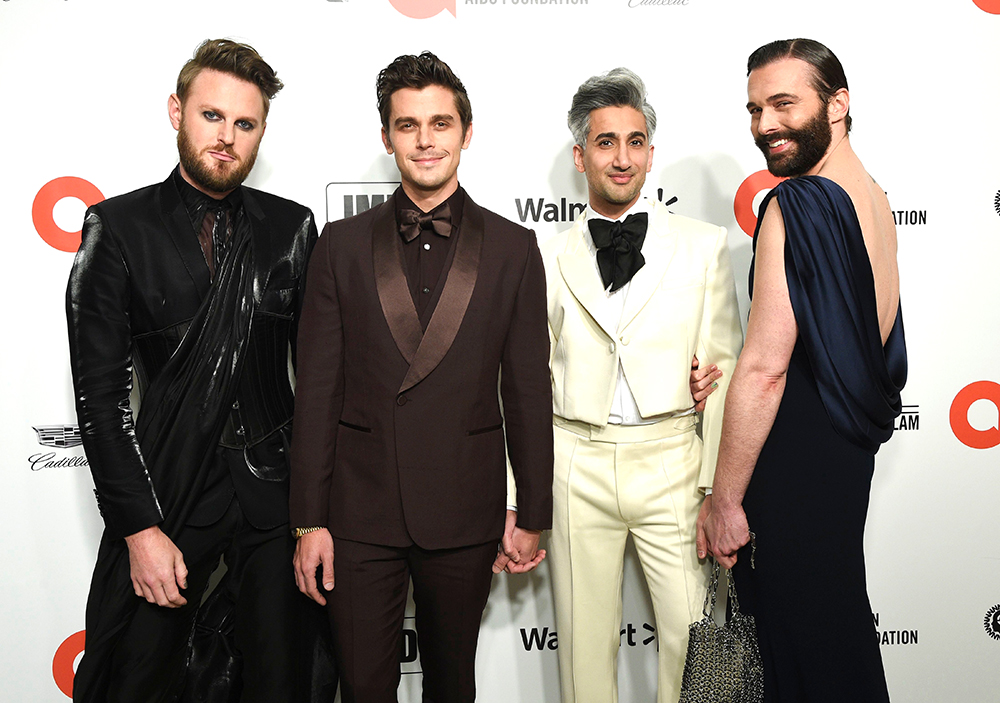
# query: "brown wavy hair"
(418, 72)
(234, 58)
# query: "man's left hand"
(724, 530)
(519, 552)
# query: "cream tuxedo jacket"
(682, 303)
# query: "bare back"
(877, 225)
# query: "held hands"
(704, 382)
(722, 530)
(157, 568)
(518, 552)
(314, 549)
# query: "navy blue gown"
(808, 497)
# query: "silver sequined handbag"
(723, 661)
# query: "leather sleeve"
(309, 225)
(100, 342)
(526, 390)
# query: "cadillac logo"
(63, 436)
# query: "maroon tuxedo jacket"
(399, 436)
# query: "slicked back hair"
(619, 87)
(827, 72)
(239, 60)
(419, 72)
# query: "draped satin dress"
(808, 497)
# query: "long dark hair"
(827, 74)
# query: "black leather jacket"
(138, 279)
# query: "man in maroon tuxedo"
(414, 311)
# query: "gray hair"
(619, 87)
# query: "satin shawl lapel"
(578, 269)
(450, 310)
(659, 249)
(390, 280)
(178, 226)
(262, 240)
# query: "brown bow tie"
(412, 221)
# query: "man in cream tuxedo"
(634, 292)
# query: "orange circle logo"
(743, 203)
(50, 194)
(62, 662)
(422, 9)
(966, 433)
(991, 6)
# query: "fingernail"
(715, 385)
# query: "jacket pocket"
(359, 428)
(484, 430)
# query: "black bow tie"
(412, 221)
(618, 245)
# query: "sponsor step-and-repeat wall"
(84, 118)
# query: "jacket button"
(236, 405)
(611, 348)
(401, 400)
(240, 431)
(625, 340)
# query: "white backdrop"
(85, 84)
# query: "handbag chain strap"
(713, 586)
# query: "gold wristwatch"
(299, 531)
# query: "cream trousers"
(609, 483)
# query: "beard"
(811, 143)
(221, 178)
(619, 195)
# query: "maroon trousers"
(367, 606)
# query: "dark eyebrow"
(434, 118)
(775, 98)
(637, 134)
(208, 107)
(782, 96)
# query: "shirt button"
(427, 247)
(427, 290)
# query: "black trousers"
(367, 606)
(149, 661)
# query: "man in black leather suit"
(196, 283)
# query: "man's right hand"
(704, 382)
(312, 550)
(157, 568)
